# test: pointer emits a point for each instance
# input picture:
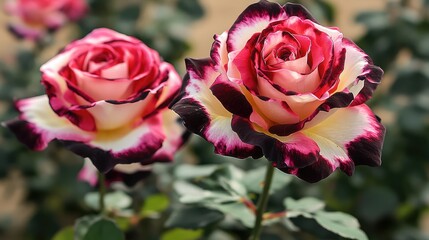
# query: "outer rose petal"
(204, 114)
(88, 173)
(58, 91)
(219, 53)
(102, 35)
(122, 146)
(254, 18)
(172, 86)
(176, 136)
(360, 66)
(346, 137)
(109, 116)
(38, 124)
(294, 150)
(22, 31)
(341, 138)
(76, 9)
(298, 10)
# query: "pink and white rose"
(106, 100)
(279, 84)
(34, 17)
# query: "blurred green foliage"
(390, 202)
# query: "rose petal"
(372, 77)
(254, 19)
(122, 146)
(218, 53)
(347, 134)
(354, 64)
(315, 172)
(119, 71)
(341, 138)
(297, 10)
(62, 99)
(213, 121)
(176, 136)
(296, 82)
(54, 20)
(38, 124)
(26, 32)
(231, 97)
(102, 35)
(109, 116)
(171, 86)
(100, 88)
(295, 150)
(278, 112)
(359, 67)
(88, 173)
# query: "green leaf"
(228, 171)
(232, 186)
(304, 205)
(117, 200)
(341, 224)
(238, 211)
(123, 223)
(65, 234)
(91, 200)
(222, 190)
(192, 194)
(289, 225)
(104, 230)
(113, 201)
(254, 179)
(182, 234)
(82, 225)
(193, 217)
(187, 171)
(343, 218)
(155, 204)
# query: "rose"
(281, 85)
(34, 17)
(106, 99)
(130, 174)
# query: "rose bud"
(106, 100)
(34, 17)
(278, 84)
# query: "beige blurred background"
(220, 14)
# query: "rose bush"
(279, 84)
(106, 99)
(35, 17)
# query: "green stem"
(262, 202)
(101, 191)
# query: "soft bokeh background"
(39, 193)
